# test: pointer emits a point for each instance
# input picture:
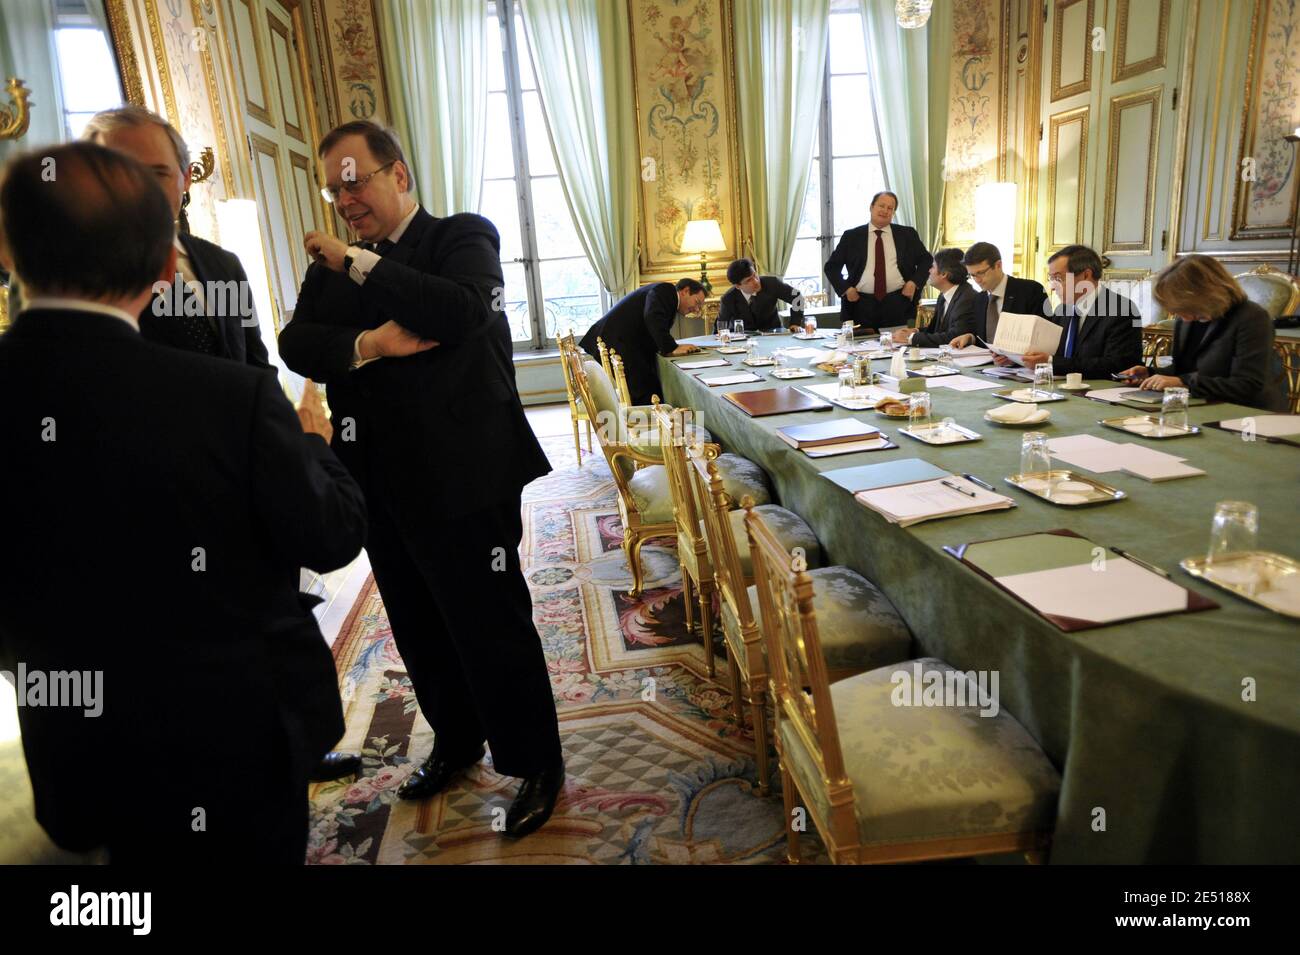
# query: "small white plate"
(1083, 387)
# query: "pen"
(1141, 563)
(959, 490)
(974, 480)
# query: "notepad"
(739, 378)
(706, 363)
(1266, 425)
(950, 496)
(803, 353)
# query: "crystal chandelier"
(912, 14)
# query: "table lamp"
(703, 236)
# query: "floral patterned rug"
(658, 769)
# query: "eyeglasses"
(331, 193)
(980, 274)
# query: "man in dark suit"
(1001, 293)
(406, 330)
(177, 496)
(887, 266)
(639, 328)
(1102, 329)
(954, 312)
(754, 299)
(208, 305)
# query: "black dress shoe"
(336, 766)
(535, 802)
(434, 776)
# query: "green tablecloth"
(1145, 720)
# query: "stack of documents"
(1099, 455)
(1019, 334)
(908, 504)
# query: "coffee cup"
(1074, 380)
(914, 354)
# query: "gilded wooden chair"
(1276, 292)
(877, 635)
(577, 411)
(884, 778)
(673, 427)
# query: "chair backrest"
(603, 349)
(605, 420)
(672, 441)
(568, 349)
(715, 505)
(800, 685)
(620, 380)
(1276, 292)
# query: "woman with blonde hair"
(1223, 343)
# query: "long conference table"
(1178, 737)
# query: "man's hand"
(391, 340)
(325, 248)
(685, 350)
(1161, 382)
(908, 289)
(312, 413)
(1033, 358)
(901, 335)
(1136, 373)
(1002, 360)
(963, 341)
(851, 294)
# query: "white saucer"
(1083, 387)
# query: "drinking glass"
(781, 358)
(886, 342)
(847, 384)
(1233, 534)
(738, 328)
(751, 350)
(809, 326)
(1034, 456)
(1043, 379)
(1173, 410)
(724, 334)
(918, 411)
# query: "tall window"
(87, 73)
(839, 190)
(551, 287)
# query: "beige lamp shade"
(703, 235)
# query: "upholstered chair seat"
(653, 495)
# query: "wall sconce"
(703, 236)
(201, 169)
(14, 121)
(995, 219)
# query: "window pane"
(572, 294)
(502, 208)
(556, 237)
(848, 49)
(852, 131)
(856, 181)
(516, 302)
(526, 80)
(810, 222)
(805, 269)
(541, 162)
(499, 161)
(77, 124)
(496, 63)
(86, 70)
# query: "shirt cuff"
(363, 260)
(357, 360)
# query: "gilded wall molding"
(208, 23)
(1183, 129)
(160, 61)
(263, 111)
(1152, 97)
(1121, 68)
(128, 67)
(1080, 115)
(1060, 92)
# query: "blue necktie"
(1071, 332)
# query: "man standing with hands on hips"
(404, 329)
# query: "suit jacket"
(440, 432)
(1109, 341)
(1235, 361)
(851, 253)
(178, 506)
(949, 321)
(1022, 297)
(639, 328)
(238, 337)
(760, 312)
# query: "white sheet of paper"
(849, 447)
(1079, 442)
(1108, 394)
(912, 503)
(972, 361)
(707, 363)
(1161, 470)
(804, 353)
(738, 379)
(1018, 334)
(972, 351)
(961, 383)
(1267, 425)
(1120, 591)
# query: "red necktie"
(880, 266)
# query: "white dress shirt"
(363, 260)
(947, 304)
(893, 278)
(79, 305)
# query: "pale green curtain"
(900, 86)
(437, 79)
(939, 43)
(780, 60)
(27, 52)
(583, 53)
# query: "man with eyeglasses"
(406, 328)
(1001, 293)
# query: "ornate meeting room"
(650, 432)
